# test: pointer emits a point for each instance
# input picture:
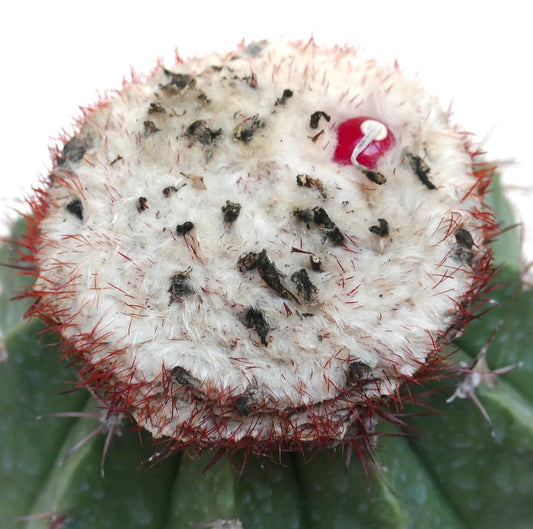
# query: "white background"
(58, 55)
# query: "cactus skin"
(453, 475)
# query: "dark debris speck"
(150, 128)
(267, 271)
(330, 229)
(200, 132)
(421, 169)
(271, 275)
(287, 94)
(156, 108)
(244, 131)
(142, 204)
(305, 215)
(303, 284)
(180, 286)
(73, 151)
(183, 377)
(315, 118)
(186, 227)
(76, 208)
(243, 405)
(464, 238)
(178, 81)
(465, 242)
(231, 211)
(357, 373)
(255, 319)
(374, 176)
(304, 180)
(382, 230)
(464, 254)
(169, 190)
(247, 261)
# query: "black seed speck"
(178, 81)
(315, 118)
(304, 180)
(357, 372)
(243, 405)
(464, 254)
(180, 286)
(156, 108)
(464, 238)
(150, 128)
(255, 318)
(142, 204)
(186, 227)
(231, 211)
(335, 236)
(246, 135)
(382, 230)
(421, 169)
(182, 376)
(247, 261)
(304, 214)
(267, 270)
(203, 98)
(303, 284)
(245, 130)
(271, 275)
(374, 176)
(76, 208)
(287, 94)
(321, 218)
(330, 229)
(200, 132)
(73, 151)
(170, 190)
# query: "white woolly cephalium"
(256, 248)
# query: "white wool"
(381, 301)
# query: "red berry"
(351, 132)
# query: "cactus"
(440, 479)
(247, 251)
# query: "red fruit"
(354, 133)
